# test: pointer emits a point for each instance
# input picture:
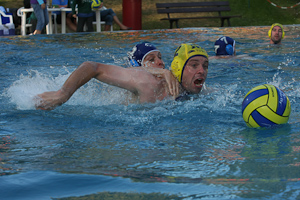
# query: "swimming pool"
(95, 146)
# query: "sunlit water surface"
(95, 145)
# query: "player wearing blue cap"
(225, 46)
(189, 66)
(145, 54)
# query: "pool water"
(97, 147)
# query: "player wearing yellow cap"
(190, 66)
(276, 33)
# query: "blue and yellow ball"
(265, 106)
(96, 4)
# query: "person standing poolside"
(85, 14)
(276, 33)
(41, 13)
(189, 66)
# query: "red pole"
(132, 14)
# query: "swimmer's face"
(276, 35)
(154, 59)
(194, 74)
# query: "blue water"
(95, 145)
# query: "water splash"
(22, 92)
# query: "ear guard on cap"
(134, 63)
(224, 45)
(229, 49)
(273, 25)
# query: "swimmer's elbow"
(90, 64)
(91, 68)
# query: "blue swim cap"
(139, 52)
(224, 46)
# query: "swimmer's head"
(182, 55)
(225, 46)
(273, 25)
(139, 52)
(276, 33)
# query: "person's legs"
(107, 27)
(105, 16)
(110, 12)
(58, 18)
(122, 26)
(38, 11)
(46, 16)
(71, 22)
(80, 25)
(89, 24)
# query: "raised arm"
(110, 74)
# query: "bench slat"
(204, 17)
(192, 4)
(189, 10)
(194, 7)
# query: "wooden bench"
(194, 7)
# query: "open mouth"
(198, 82)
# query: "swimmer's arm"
(172, 82)
(50, 100)
(129, 79)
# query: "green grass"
(254, 13)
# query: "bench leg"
(222, 22)
(228, 22)
(171, 23)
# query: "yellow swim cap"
(182, 55)
(273, 25)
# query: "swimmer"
(224, 47)
(276, 33)
(145, 54)
(189, 66)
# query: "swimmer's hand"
(50, 100)
(172, 82)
